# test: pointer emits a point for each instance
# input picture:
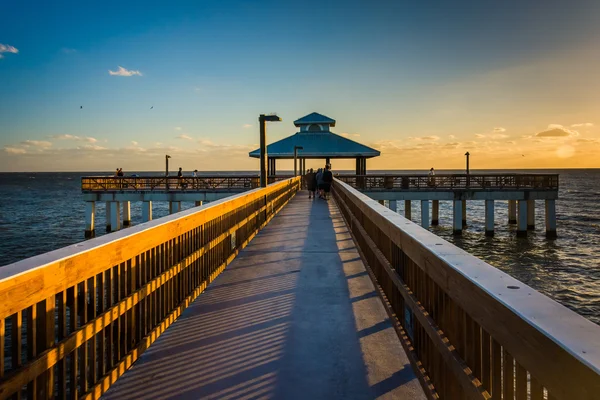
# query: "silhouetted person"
(311, 183)
(327, 181)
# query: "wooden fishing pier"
(269, 294)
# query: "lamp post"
(262, 119)
(296, 148)
(468, 177)
(167, 169)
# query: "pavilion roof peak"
(314, 118)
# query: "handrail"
(92, 184)
(475, 331)
(443, 182)
(111, 297)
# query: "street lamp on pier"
(262, 119)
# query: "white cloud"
(93, 147)
(479, 136)
(247, 126)
(124, 72)
(5, 48)
(133, 142)
(452, 136)
(584, 124)
(498, 136)
(14, 150)
(36, 143)
(556, 130)
(177, 128)
(73, 137)
(184, 137)
(499, 129)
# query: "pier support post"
(435, 212)
(522, 218)
(512, 211)
(425, 213)
(530, 215)
(197, 203)
(551, 219)
(126, 213)
(115, 216)
(108, 218)
(489, 218)
(457, 225)
(393, 205)
(90, 215)
(174, 207)
(464, 214)
(407, 209)
(147, 211)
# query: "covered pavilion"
(317, 142)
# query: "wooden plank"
(100, 337)
(17, 341)
(72, 295)
(93, 296)
(486, 361)
(109, 331)
(31, 348)
(496, 370)
(2, 338)
(83, 349)
(508, 375)
(537, 391)
(61, 303)
(521, 384)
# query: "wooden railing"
(472, 330)
(452, 182)
(233, 183)
(73, 320)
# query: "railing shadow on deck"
(474, 331)
(73, 320)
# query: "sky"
(93, 87)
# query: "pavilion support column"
(358, 166)
(464, 213)
(551, 219)
(457, 225)
(115, 216)
(364, 167)
(512, 211)
(393, 205)
(146, 211)
(407, 209)
(489, 218)
(435, 212)
(126, 213)
(174, 207)
(90, 215)
(530, 215)
(108, 216)
(327, 160)
(425, 213)
(522, 218)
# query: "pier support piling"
(522, 218)
(126, 213)
(90, 215)
(108, 217)
(393, 205)
(464, 214)
(435, 212)
(512, 211)
(407, 209)
(147, 211)
(457, 225)
(489, 218)
(551, 219)
(115, 216)
(531, 215)
(425, 213)
(174, 207)
(197, 203)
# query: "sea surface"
(40, 212)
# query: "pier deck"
(295, 315)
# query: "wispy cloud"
(36, 143)
(479, 136)
(556, 130)
(133, 142)
(247, 126)
(124, 72)
(73, 137)
(184, 137)
(178, 128)
(452, 136)
(5, 48)
(584, 124)
(499, 129)
(14, 150)
(93, 147)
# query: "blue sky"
(411, 78)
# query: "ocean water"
(40, 212)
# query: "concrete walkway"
(295, 316)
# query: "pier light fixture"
(296, 148)
(468, 172)
(167, 164)
(262, 119)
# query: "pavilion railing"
(452, 182)
(473, 331)
(73, 320)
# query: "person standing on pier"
(431, 179)
(319, 179)
(327, 180)
(311, 183)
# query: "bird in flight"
(151, 107)
(523, 155)
(80, 107)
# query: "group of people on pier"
(319, 181)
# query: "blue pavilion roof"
(314, 118)
(317, 145)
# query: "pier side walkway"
(295, 316)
